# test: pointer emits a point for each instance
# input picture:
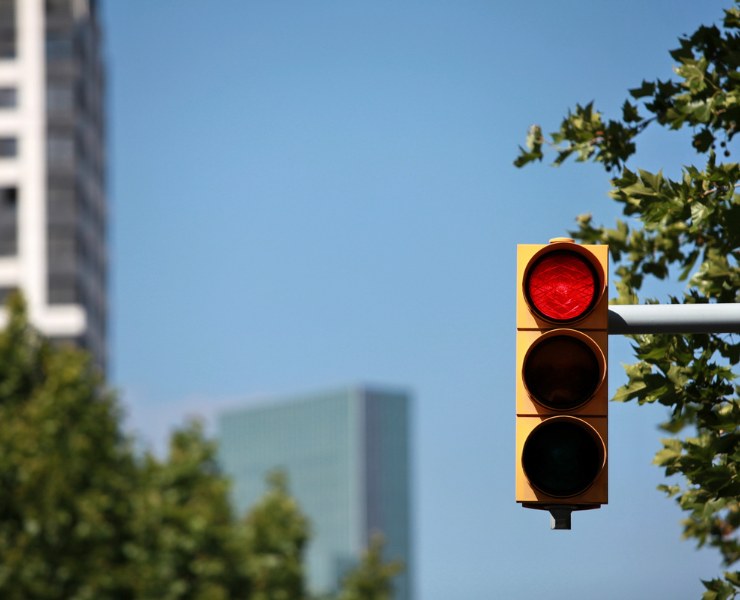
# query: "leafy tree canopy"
(688, 228)
(277, 533)
(66, 473)
(82, 516)
(373, 577)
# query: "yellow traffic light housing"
(561, 387)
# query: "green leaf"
(703, 140)
(630, 114)
(646, 89)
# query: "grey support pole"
(627, 319)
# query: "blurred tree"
(690, 228)
(83, 517)
(277, 536)
(66, 473)
(188, 544)
(372, 579)
(276, 533)
(80, 515)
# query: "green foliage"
(687, 229)
(372, 579)
(277, 533)
(81, 516)
(276, 536)
(65, 470)
(187, 541)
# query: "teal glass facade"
(347, 457)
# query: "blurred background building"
(347, 457)
(53, 210)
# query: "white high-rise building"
(53, 210)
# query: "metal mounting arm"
(628, 319)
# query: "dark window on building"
(8, 97)
(59, 45)
(8, 29)
(5, 293)
(62, 206)
(59, 97)
(8, 147)
(56, 8)
(63, 289)
(62, 248)
(8, 221)
(60, 150)
(68, 342)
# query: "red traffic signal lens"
(562, 371)
(563, 456)
(562, 286)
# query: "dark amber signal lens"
(562, 372)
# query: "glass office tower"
(347, 457)
(53, 210)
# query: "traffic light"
(561, 371)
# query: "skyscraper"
(53, 211)
(347, 457)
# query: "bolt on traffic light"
(561, 387)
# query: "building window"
(59, 45)
(59, 98)
(8, 147)
(63, 289)
(8, 97)
(58, 8)
(8, 221)
(8, 29)
(60, 150)
(5, 293)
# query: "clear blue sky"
(310, 194)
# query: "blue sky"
(312, 194)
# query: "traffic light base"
(560, 513)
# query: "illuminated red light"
(562, 286)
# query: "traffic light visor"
(562, 286)
(563, 456)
